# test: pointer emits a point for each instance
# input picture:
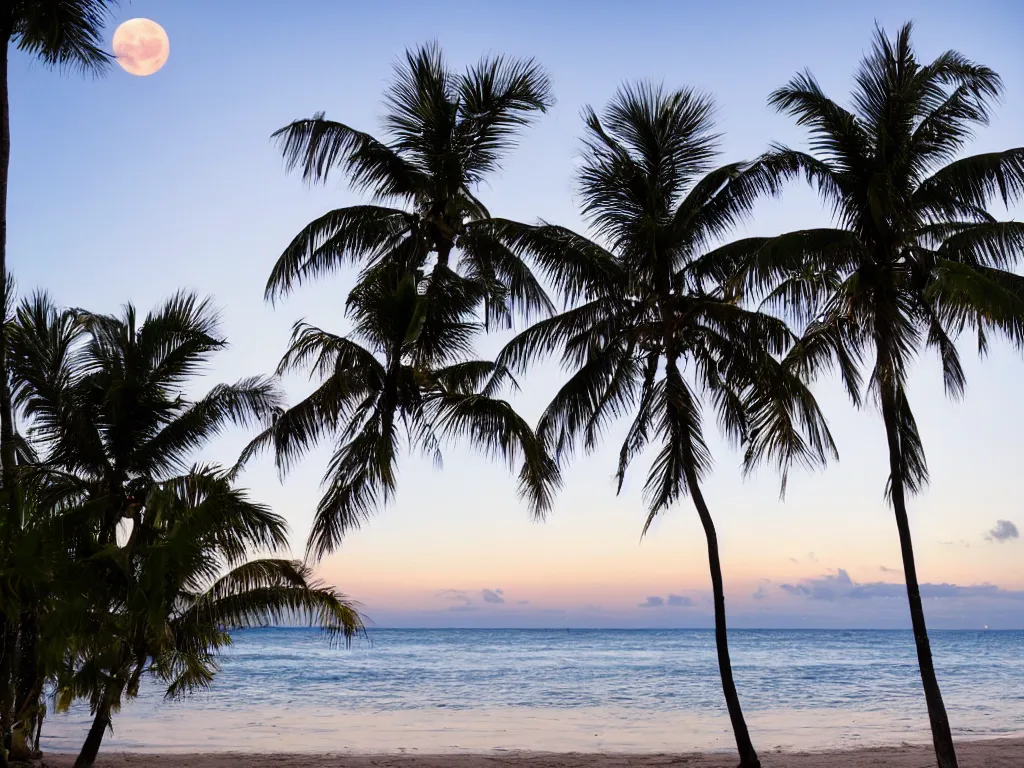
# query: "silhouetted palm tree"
(106, 416)
(60, 33)
(445, 133)
(656, 334)
(398, 378)
(915, 257)
(177, 586)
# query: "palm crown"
(62, 33)
(446, 133)
(386, 384)
(917, 258)
(103, 397)
(657, 331)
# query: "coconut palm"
(103, 401)
(915, 257)
(401, 377)
(444, 135)
(655, 334)
(174, 589)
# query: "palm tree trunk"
(7, 452)
(28, 686)
(942, 738)
(748, 755)
(100, 723)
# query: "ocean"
(580, 690)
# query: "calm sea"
(583, 690)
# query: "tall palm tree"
(399, 377)
(173, 591)
(60, 33)
(915, 257)
(656, 333)
(444, 134)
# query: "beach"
(1002, 753)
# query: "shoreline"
(990, 753)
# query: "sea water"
(578, 690)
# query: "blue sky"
(128, 188)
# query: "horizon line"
(642, 629)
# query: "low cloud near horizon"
(830, 600)
(1003, 531)
(672, 601)
(839, 586)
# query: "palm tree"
(656, 333)
(60, 33)
(445, 134)
(399, 377)
(170, 603)
(102, 397)
(915, 257)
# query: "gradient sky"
(127, 188)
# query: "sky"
(127, 188)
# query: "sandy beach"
(1003, 753)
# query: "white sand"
(1008, 753)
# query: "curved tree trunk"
(748, 755)
(942, 738)
(91, 747)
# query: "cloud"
(672, 601)
(1004, 531)
(839, 586)
(828, 587)
(493, 596)
(886, 569)
(524, 602)
(653, 602)
(761, 593)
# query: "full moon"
(141, 46)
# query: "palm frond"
(64, 33)
(497, 97)
(493, 427)
(359, 233)
(316, 145)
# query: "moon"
(141, 47)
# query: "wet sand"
(1003, 753)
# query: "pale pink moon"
(141, 46)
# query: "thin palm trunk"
(7, 451)
(8, 628)
(745, 747)
(100, 723)
(674, 380)
(942, 737)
